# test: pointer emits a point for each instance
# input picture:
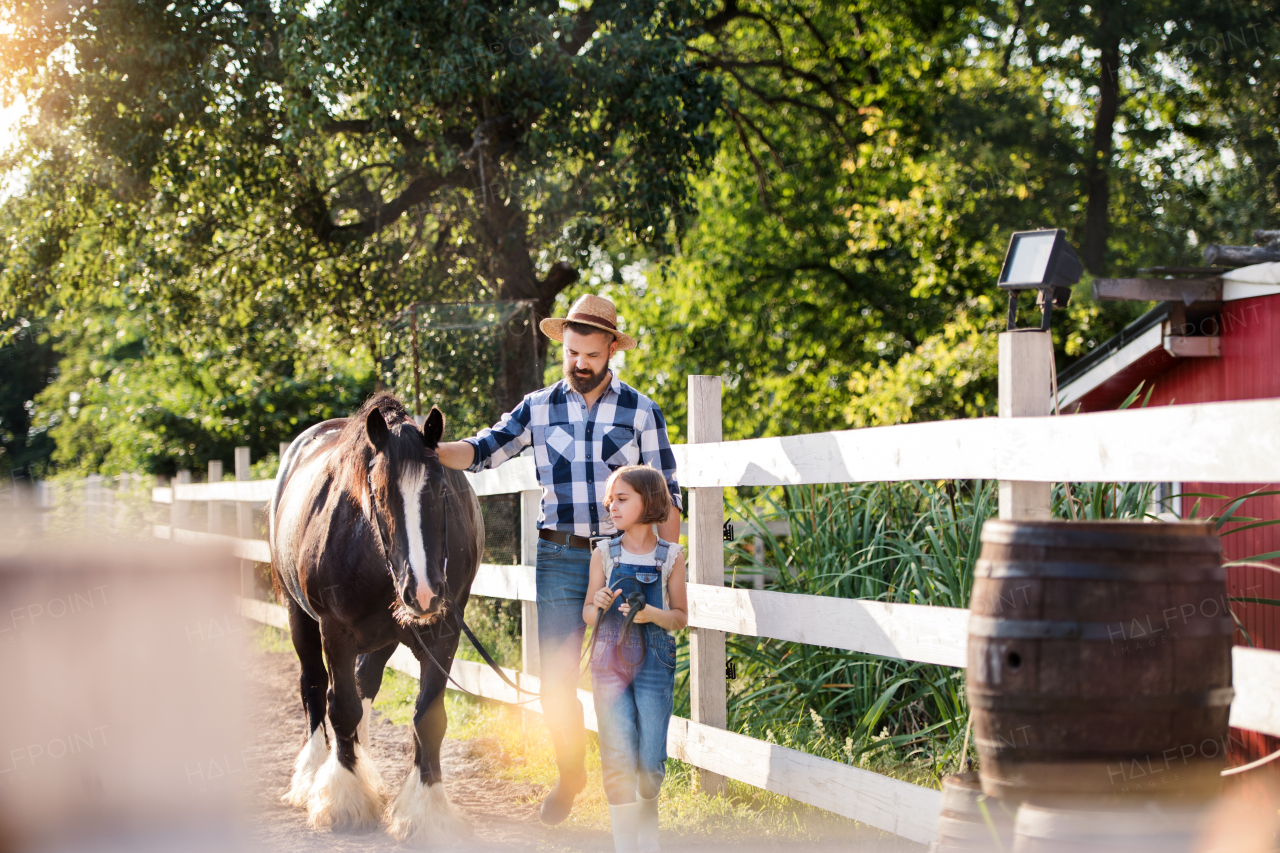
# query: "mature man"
(581, 429)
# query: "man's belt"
(565, 539)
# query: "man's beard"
(584, 383)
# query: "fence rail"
(1207, 443)
(1220, 442)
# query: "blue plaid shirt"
(575, 450)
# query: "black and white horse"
(373, 543)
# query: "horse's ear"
(433, 428)
(376, 428)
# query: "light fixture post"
(1042, 261)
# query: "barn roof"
(1141, 350)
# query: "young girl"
(633, 660)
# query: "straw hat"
(589, 310)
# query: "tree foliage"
(811, 200)
(236, 168)
(27, 363)
(124, 401)
(841, 244)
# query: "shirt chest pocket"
(620, 446)
(554, 444)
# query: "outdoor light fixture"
(1043, 261)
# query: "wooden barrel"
(1099, 659)
(1082, 828)
(970, 820)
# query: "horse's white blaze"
(309, 762)
(423, 814)
(411, 480)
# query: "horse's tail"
(277, 592)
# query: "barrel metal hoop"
(1015, 703)
(1085, 828)
(1009, 533)
(1027, 758)
(1144, 628)
(964, 829)
(996, 569)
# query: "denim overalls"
(633, 694)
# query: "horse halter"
(384, 541)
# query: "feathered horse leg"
(421, 813)
(313, 684)
(348, 791)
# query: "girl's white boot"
(647, 831)
(625, 820)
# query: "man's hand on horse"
(458, 455)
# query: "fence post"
(1026, 391)
(120, 501)
(46, 502)
(215, 507)
(530, 506)
(244, 524)
(179, 511)
(707, 696)
(92, 501)
(107, 505)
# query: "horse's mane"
(355, 452)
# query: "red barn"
(1212, 338)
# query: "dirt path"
(504, 813)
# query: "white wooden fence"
(1220, 442)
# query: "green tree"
(810, 200)
(835, 257)
(230, 164)
(836, 235)
(1230, 175)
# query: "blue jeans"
(562, 576)
(633, 708)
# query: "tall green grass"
(912, 542)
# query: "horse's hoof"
(308, 763)
(558, 802)
(422, 814)
(346, 799)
